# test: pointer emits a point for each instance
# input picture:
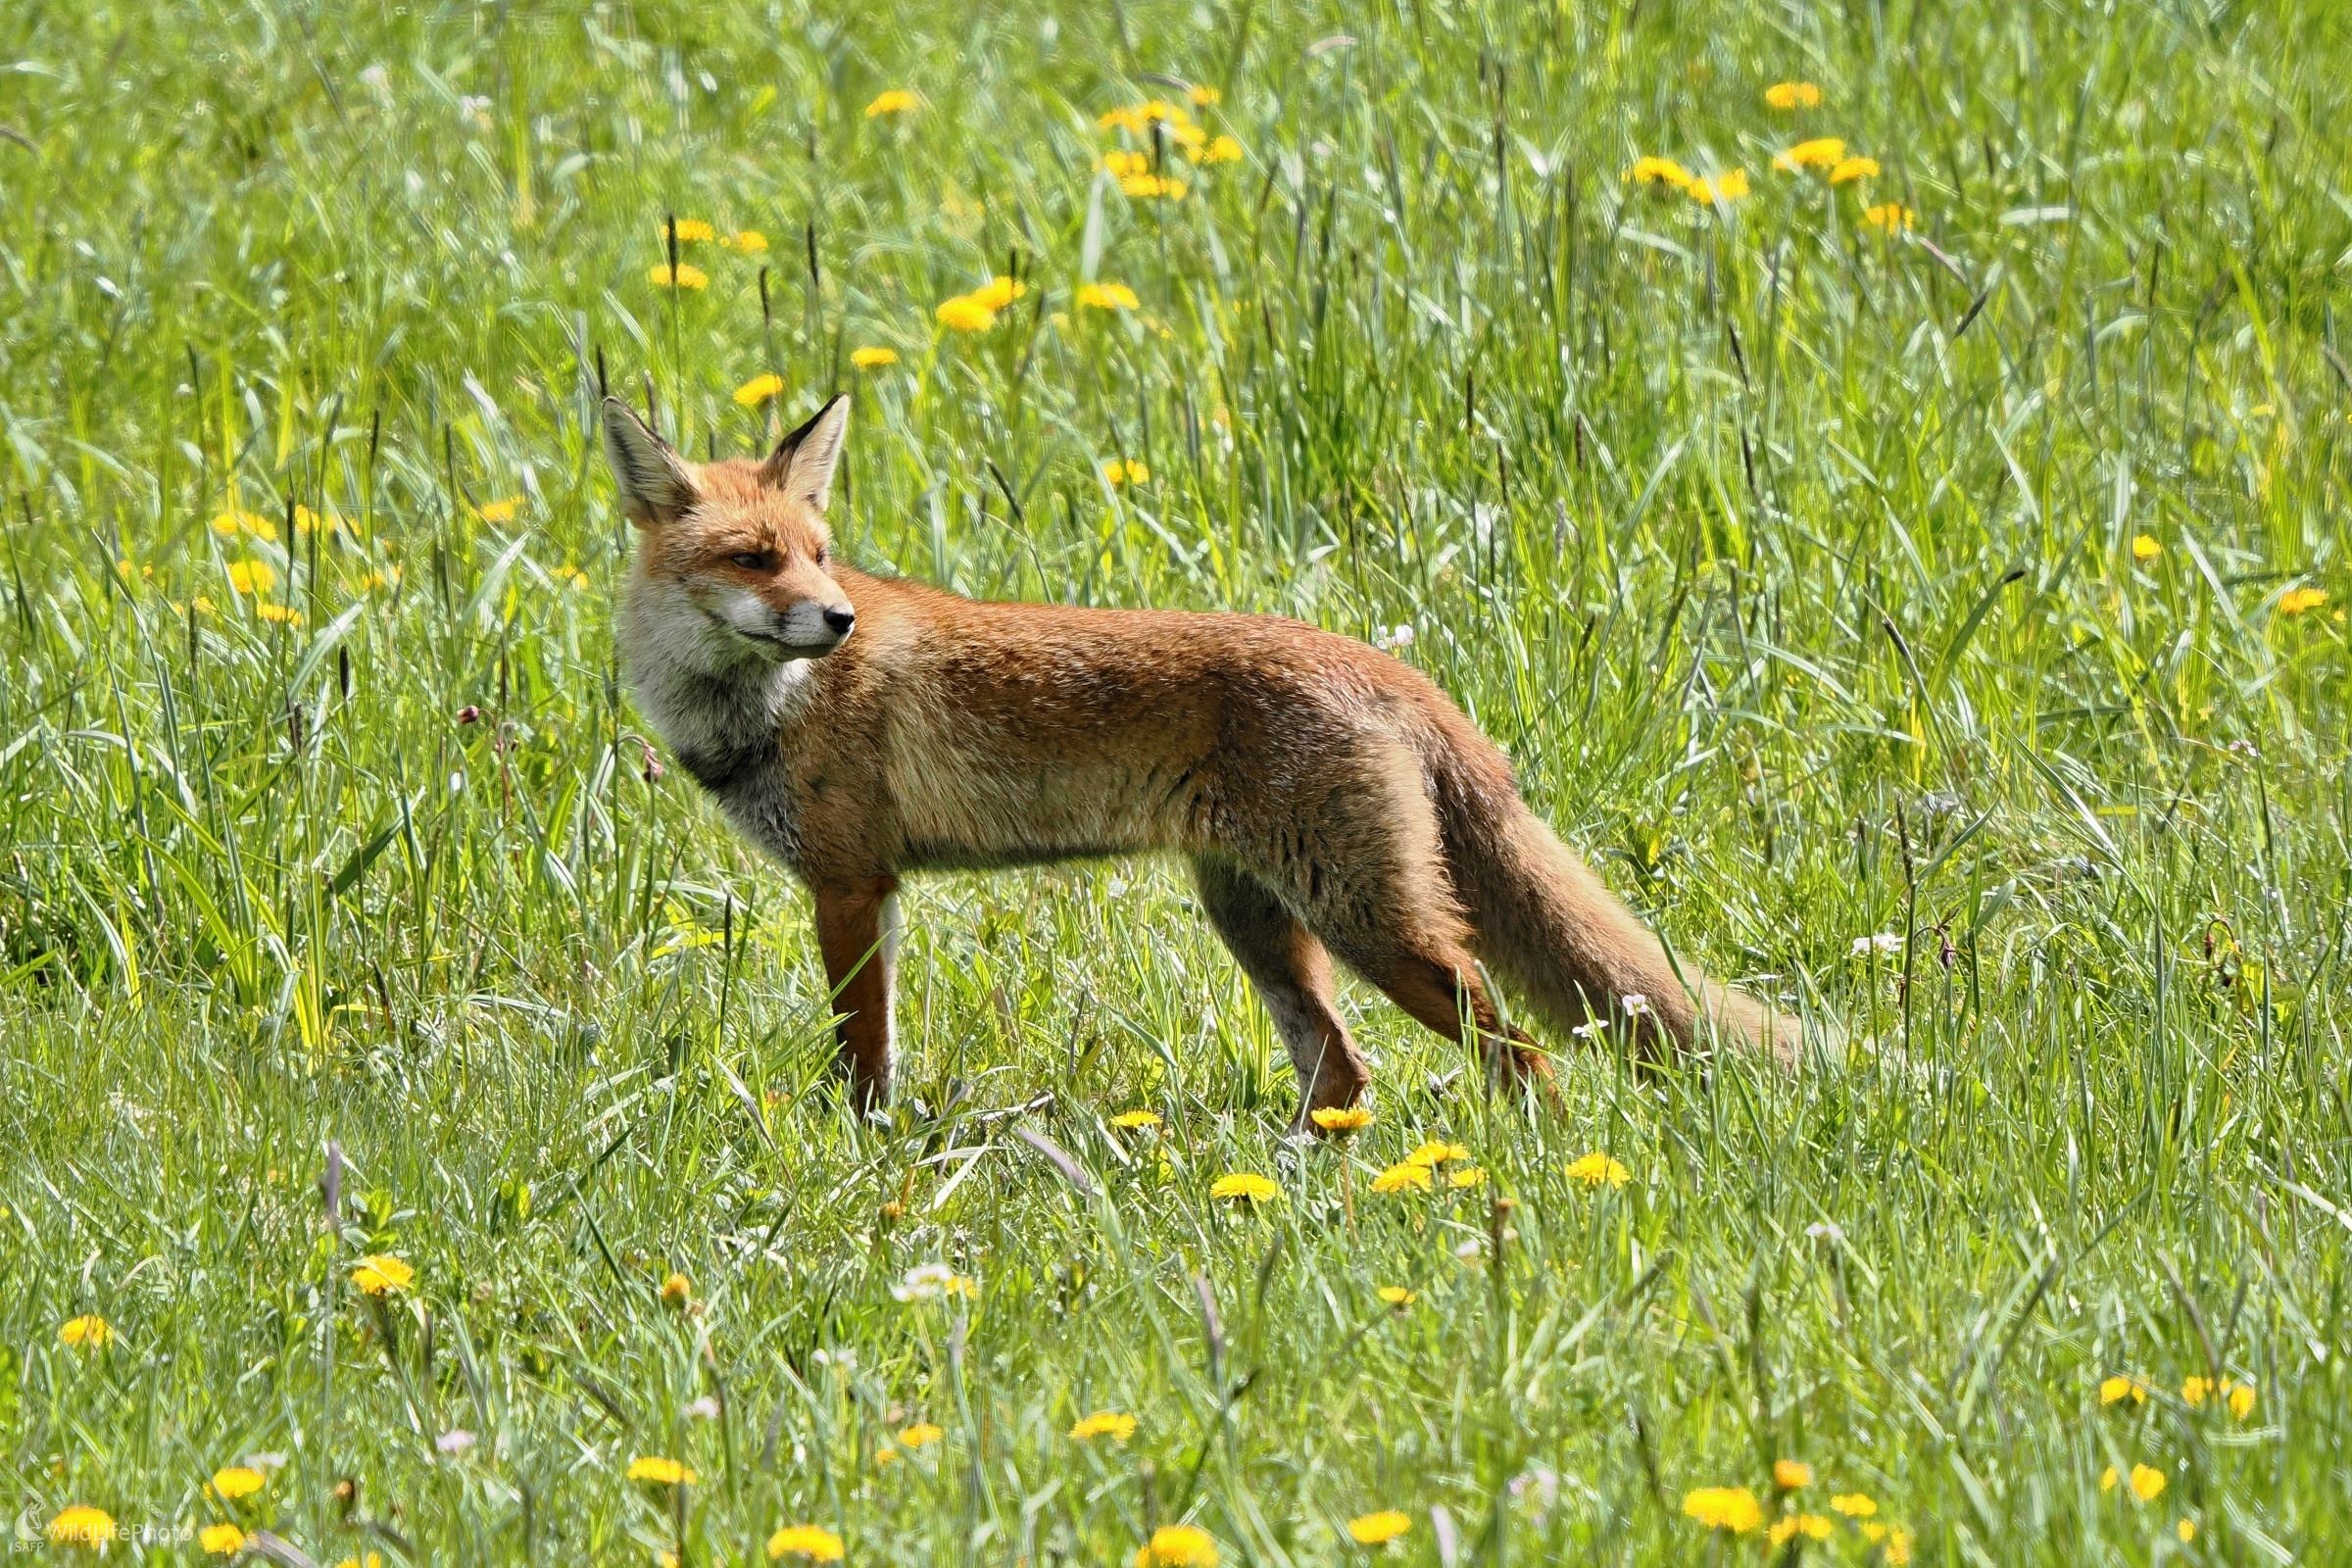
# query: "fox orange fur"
(1330, 799)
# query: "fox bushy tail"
(1555, 934)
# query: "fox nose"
(841, 621)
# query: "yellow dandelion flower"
(1848, 169)
(251, 577)
(1143, 188)
(897, 101)
(690, 230)
(1659, 172)
(1436, 1151)
(2145, 548)
(1892, 216)
(1119, 164)
(2107, 1479)
(502, 509)
(750, 241)
(1112, 1424)
(375, 1559)
(1812, 1526)
(1203, 97)
(1790, 1474)
(2295, 601)
(1221, 150)
(380, 1272)
(921, 1434)
(758, 389)
(1822, 152)
(2123, 1386)
(221, 1540)
(805, 1541)
(661, 1471)
(1792, 95)
(1467, 1176)
(82, 1526)
(1395, 1294)
(1723, 188)
(229, 524)
(885, 1456)
(1177, 1546)
(238, 1481)
(1134, 1120)
(305, 520)
(965, 312)
(1853, 1504)
(675, 1289)
(2186, 1530)
(279, 613)
(1342, 1118)
(1399, 1178)
(1108, 297)
(2147, 1483)
(999, 292)
(685, 276)
(1243, 1187)
(89, 1332)
(2241, 1399)
(1596, 1168)
(1374, 1528)
(1898, 1548)
(1731, 1508)
(874, 358)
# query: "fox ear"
(803, 462)
(655, 483)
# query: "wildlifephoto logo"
(80, 1525)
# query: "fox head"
(733, 560)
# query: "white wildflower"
(928, 1282)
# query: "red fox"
(1330, 799)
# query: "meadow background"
(1935, 621)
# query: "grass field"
(1919, 591)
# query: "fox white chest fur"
(721, 717)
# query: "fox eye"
(824, 554)
(751, 561)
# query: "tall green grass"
(1792, 561)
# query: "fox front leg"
(856, 930)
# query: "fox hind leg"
(1437, 985)
(1379, 897)
(1292, 972)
